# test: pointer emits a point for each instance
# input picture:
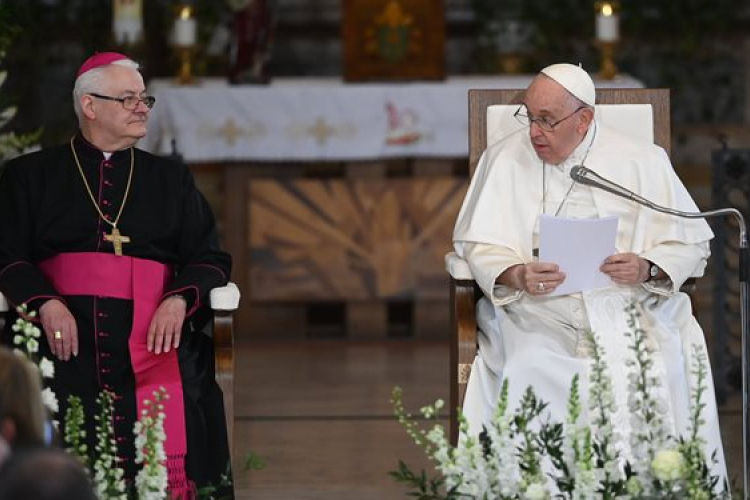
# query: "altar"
(319, 119)
(331, 196)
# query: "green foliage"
(7, 29)
(75, 431)
(253, 461)
(425, 488)
(214, 492)
(11, 143)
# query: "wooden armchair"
(489, 121)
(224, 301)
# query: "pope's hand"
(60, 329)
(626, 268)
(536, 278)
(166, 325)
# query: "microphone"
(586, 176)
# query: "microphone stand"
(586, 176)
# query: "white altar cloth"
(319, 119)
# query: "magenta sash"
(143, 282)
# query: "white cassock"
(541, 341)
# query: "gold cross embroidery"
(117, 240)
(321, 131)
(230, 132)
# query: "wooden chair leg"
(224, 359)
(463, 346)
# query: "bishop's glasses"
(130, 102)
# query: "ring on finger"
(540, 286)
(58, 335)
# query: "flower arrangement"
(151, 481)
(523, 455)
(26, 339)
(107, 476)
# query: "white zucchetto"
(574, 79)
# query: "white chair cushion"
(635, 120)
(225, 298)
(457, 267)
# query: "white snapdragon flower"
(50, 400)
(427, 411)
(32, 345)
(536, 491)
(151, 481)
(668, 465)
(47, 368)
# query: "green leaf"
(6, 115)
(253, 461)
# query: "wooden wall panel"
(349, 239)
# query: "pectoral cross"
(117, 240)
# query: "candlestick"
(185, 73)
(184, 38)
(608, 69)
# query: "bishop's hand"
(60, 329)
(166, 325)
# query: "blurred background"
(329, 137)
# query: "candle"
(126, 22)
(185, 28)
(607, 24)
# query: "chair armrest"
(225, 298)
(457, 267)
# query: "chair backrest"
(487, 121)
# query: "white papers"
(579, 247)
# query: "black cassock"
(47, 211)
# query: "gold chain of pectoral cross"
(114, 237)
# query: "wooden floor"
(319, 414)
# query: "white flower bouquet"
(522, 455)
(103, 465)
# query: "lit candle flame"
(186, 12)
(607, 9)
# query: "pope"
(533, 337)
